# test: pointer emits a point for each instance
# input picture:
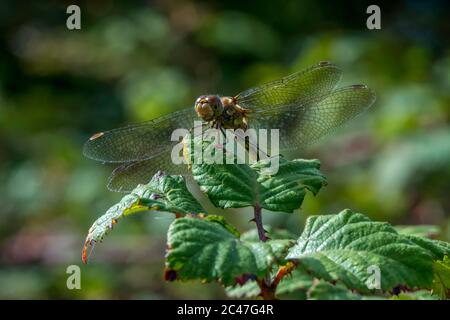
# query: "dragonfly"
(303, 106)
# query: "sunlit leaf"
(441, 282)
(204, 250)
(326, 291)
(295, 281)
(437, 248)
(163, 193)
(236, 186)
(221, 220)
(349, 247)
(420, 230)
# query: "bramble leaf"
(348, 246)
(221, 220)
(233, 185)
(199, 249)
(323, 290)
(236, 186)
(441, 282)
(163, 193)
(438, 249)
(297, 280)
(170, 194)
(419, 230)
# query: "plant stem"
(283, 271)
(259, 224)
(267, 292)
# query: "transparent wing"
(304, 87)
(139, 141)
(300, 125)
(127, 176)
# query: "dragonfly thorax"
(221, 112)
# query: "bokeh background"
(136, 60)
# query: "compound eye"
(201, 99)
(212, 99)
(215, 103)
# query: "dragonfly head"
(208, 107)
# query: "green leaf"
(301, 285)
(326, 291)
(438, 249)
(279, 248)
(420, 230)
(295, 281)
(236, 186)
(347, 245)
(163, 193)
(441, 282)
(221, 220)
(206, 250)
(232, 185)
(170, 194)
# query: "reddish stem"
(282, 271)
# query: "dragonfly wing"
(303, 87)
(300, 125)
(127, 176)
(139, 141)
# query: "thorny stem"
(267, 291)
(283, 271)
(267, 286)
(259, 225)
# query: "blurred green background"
(136, 60)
